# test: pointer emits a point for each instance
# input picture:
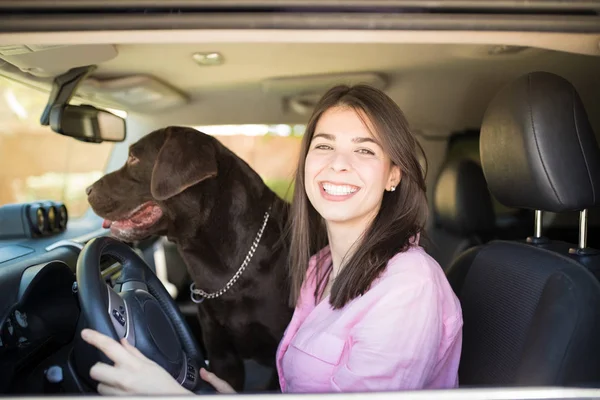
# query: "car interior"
(509, 123)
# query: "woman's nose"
(340, 162)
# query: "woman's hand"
(133, 373)
(219, 384)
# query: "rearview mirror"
(87, 123)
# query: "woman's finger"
(132, 349)
(110, 347)
(106, 374)
(219, 384)
(108, 390)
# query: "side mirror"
(87, 123)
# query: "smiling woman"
(36, 163)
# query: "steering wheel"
(140, 309)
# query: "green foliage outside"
(281, 187)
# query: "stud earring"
(392, 188)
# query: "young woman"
(373, 312)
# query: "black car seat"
(463, 211)
(531, 308)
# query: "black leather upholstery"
(530, 317)
(532, 312)
(537, 146)
(463, 211)
(462, 202)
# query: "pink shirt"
(404, 333)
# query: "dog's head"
(160, 166)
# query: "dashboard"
(38, 329)
(39, 307)
(39, 324)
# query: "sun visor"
(52, 60)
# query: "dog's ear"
(185, 159)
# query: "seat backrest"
(531, 309)
(463, 211)
(530, 317)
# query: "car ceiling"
(441, 87)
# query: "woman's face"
(346, 170)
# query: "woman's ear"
(395, 178)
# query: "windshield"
(37, 163)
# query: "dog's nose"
(88, 190)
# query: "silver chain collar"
(204, 295)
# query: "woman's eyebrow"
(327, 136)
(365, 139)
(358, 139)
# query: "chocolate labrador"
(186, 185)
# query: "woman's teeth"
(339, 190)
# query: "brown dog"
(186, 185)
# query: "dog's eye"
(132, 160)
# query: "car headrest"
(462, 202)
(538, 150)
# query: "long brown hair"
(400, 218)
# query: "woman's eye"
(323, 147)
(366, 152)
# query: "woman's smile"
(337, 191)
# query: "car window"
(37, 163)
(271, 150)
